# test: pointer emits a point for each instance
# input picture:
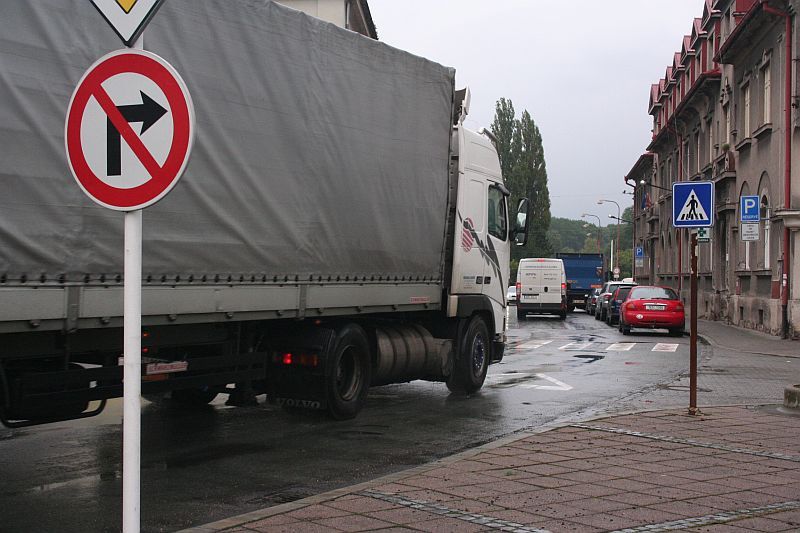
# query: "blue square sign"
(748, 209)
(639, 252)
(693, 204)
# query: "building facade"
(351, 14)
(726, 111)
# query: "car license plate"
(651, 307)
(579, 301)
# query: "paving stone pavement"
(733, 468)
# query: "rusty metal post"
(693, 330)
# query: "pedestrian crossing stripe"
(580, 346)
(621, 347)
(663, 347)
(693, 209)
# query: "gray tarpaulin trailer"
(336, 226)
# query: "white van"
(541, 287)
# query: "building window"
(727, 111)
(746, 111)
(710, 52)
(710, 127)
(698, 150)
(766, 75)
(765, 214)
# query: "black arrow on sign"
(148, 113)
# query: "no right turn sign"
(129, 130)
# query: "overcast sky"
(583, 70)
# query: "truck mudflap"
(296, 367)
(34, 397)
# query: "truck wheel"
(469, 371)
(349, 373)
(563, 315)
(521, 314)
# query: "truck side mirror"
(520, 231)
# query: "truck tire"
(348, 375)
(472, 361)
(521, 315)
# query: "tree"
(522, 161)
(503, 128)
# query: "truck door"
(469, 263)
(498, 251)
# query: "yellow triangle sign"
(126, 5)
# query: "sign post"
(693, 207)
(123, 87)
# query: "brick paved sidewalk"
(738, 339)
(733, 469)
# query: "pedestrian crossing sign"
(693, 204)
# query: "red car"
(652, 307)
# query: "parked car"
(614, 304)
(601, 308)
(591, 302)
(652, 307)
(511, 294)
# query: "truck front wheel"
(470, 367)
(348, 377)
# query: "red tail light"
(519, 289)
(296, 359)
(679, 307)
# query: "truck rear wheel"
(348, 377)
(470, 367)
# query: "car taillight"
(563, 288)
(630, 306)
(519, 289)
(679, 307)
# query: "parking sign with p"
(748, 209)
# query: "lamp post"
(619, 215)
(599, 226)
(642, 182)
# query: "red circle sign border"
(181, 108)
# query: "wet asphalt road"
(201, 466)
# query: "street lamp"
(599, 226)
(619, 214)
(620, 219)
(642, 182)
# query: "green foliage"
(522, 161)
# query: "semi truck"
(584, 273)
(337, 227)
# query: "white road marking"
(576, 346)
(663, 347)
(557, 385)
(620, 346)
(532, 345)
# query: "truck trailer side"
(337, 227)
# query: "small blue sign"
(748, 209)
(639, 252)
(693, 204)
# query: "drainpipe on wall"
(787, 164)
(633, 227)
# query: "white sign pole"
(132, 377)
